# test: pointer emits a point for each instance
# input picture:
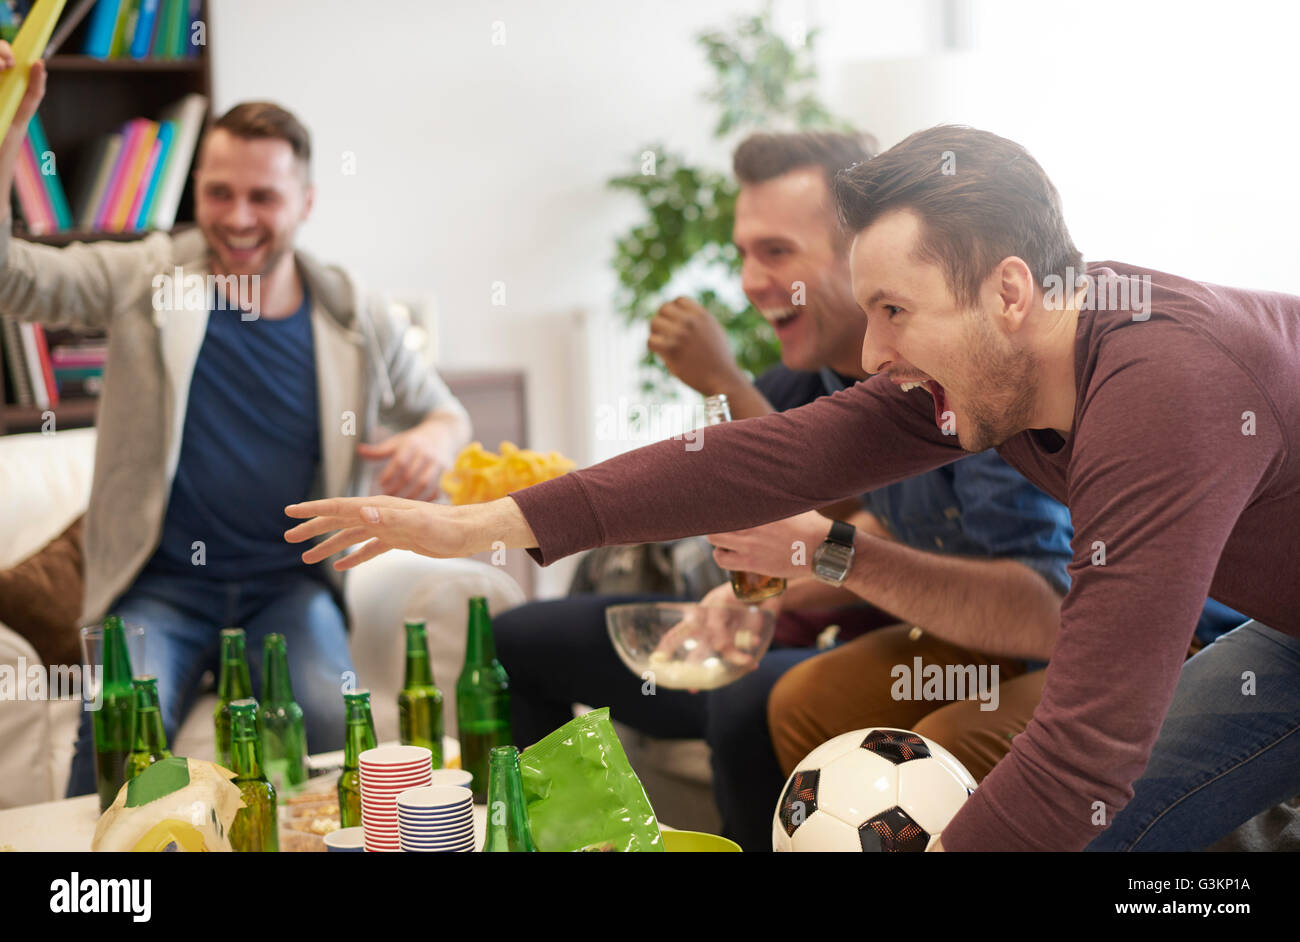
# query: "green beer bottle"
(482, 699)
(233, 684)
(113, 721)
(149, 741)
(255, 827)
(419, 705)
(507, 815)
(284, 738)
(360, 737)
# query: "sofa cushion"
(40, 598)
(44, 486)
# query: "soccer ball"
(870, 790)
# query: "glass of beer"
(748, 586)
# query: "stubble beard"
(1008, 380)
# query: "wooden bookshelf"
(74, 63)
(86, 98)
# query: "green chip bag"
(582, 793)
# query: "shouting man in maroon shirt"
(1162, 411)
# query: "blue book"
(166, 131)
(99, 36)
(144, 24)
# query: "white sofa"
(45, 485)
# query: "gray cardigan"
(365, 376)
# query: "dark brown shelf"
(80, 235)
(69, 413)
(74, 63)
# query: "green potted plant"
(761, 81)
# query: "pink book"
(134, 170)
(116, 183)
(42, 191)
(28, 188)
(138, 203)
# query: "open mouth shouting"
(936, 392)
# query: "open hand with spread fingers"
(383, 523)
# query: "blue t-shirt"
(250, 445)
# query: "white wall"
(1169, 128)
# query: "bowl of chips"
(686, 646)
(479, 475)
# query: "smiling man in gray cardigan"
(242, 375)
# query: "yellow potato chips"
(480, 475)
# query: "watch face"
(831, 562)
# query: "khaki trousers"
(854, 686)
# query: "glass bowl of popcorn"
(687, 646)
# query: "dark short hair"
(766, 155)
(980, 199)
(253, 120)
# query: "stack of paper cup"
(386, 772)
(436, 819)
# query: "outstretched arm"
(721, 478)
(385, 523)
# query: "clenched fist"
(694, 347)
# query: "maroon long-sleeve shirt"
(1182, 475)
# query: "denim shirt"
(977, 506)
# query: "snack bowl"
(687, 646)
(696, 842)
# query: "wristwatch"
(832, 560)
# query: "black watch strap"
(841, 533)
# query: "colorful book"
(132, 182)
(188, 114)
(48, 388)
(38, 184)
(171, 28)
(40, 394)
(30, 192)
(166, 130)
(145, 21)
(16, 363)
(95, 178)
(159, 45)
(53, 183)
(99, 35)
(134, 170)
(77, 372)
(124, 30)
(137, 201)
(131, 132)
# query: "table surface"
(69, 824)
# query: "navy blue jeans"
(1229, 747)
(183, 616)
(558, 653)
